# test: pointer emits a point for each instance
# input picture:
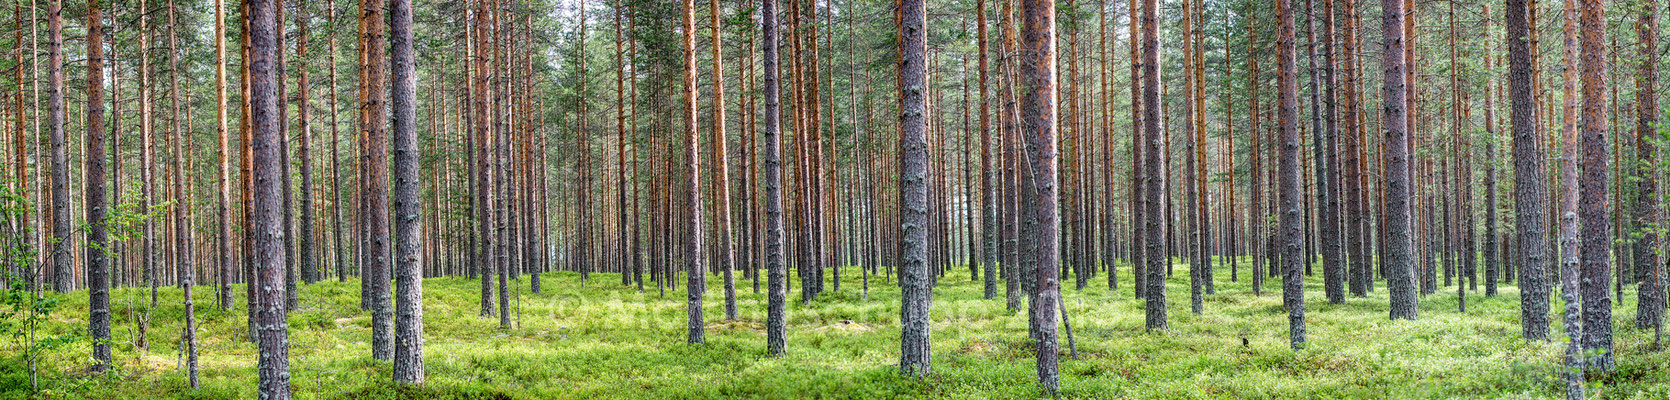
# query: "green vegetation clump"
(607, 341)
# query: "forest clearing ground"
(608, 341)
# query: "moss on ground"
(607, 341)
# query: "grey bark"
(98, 239)
(408, 210)
(1529, 191)
(914, 278)
(1650, 295)
(775, 331)
(1154, 215)
(272, 337)
(484, 174)
(696, 282)
(1399, 257)
(1292, 193)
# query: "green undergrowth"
(603, 340)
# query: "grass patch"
(607, 341)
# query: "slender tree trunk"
(280, 64)
(272, 331)
(408, 335)
(1650, 302)
(147, 177)
(1492, 267)
(1399, 257)
(1139, 201)
(582, 251)
(183, 243)
(374, 165)
(1334, 272)
(1569, 268)
(694, 257)
(988, 192)
(1203, 236)
(1528, 190)
(1256, 218)
(98, 237)
(336, 142)
(1038, 113)
(727, 257)
(776, 291)
(484, 175)
(1192, 168)
(1356, 246)
(223, 234)
(914, 276)
(20, 168)
(307, 261)
(245, 168)
(1592, 203)
(1292, 193)
(1154, 215)
(62, 261)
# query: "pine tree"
(1399, 257)
(1291, 234)
(374, 169)
(408, 212)
(272, 331)
(776, 291)
(62, 261)
(1650, 303)
(914, 275)
(694, 256)
(1593, 187)
(1154, 275)
(98, 253)
(1038, 114)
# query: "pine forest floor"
(603, 340)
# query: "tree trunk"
(374, 167)
(98, 237)
(20, 168)
(272, 332)
(408, 335)
(1038, 114)
(776, 291)
(62, 261)
(1139, 201)
(1592, 208)
(1492, 241)
(1528, 190)
(182, 210)
(988, 192)
(1356, 242)
(307, 261)
(1571, 285)
(1257, 221)
(1154, 215)
(727, 257)
(1399, 257)
(914, 276)
(484, 175)
(223, 234)
(1333, 262)
(1650, 304)
(147, 177)
(694, 257)
(1292, 193)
